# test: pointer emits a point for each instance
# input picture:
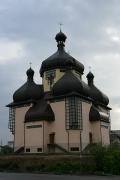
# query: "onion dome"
(40, 111)
(95, 93)
(61, 59)
(30, 73)
(60, 38)
(70, 83)
(97, 114)
(29, 91)
(90, 78)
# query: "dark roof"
(95, 93)
(60, 37)
(70, 83)
(29, 91)
(98, 96)
(51, 97)
(97, 114)
(18, 104)
(90, 75)
(61, 59)
(40, 111)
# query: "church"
(63, 114)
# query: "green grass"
(102, 160)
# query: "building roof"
(96, 114)
(95, 93)
(61, 59)
(40, 111)
(29, 91)
(98, 96)
(70, 83)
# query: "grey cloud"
(34, 24)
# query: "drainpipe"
(80, 144)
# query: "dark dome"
(90, 75)
(98, 96)
(60, 37)
(29, 91)
(97, 114)
(61, 59)
(95, 93)
(40, 111)
(30, 72)
(70, 83)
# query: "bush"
(107, 159)
(103, 160)
(6, 150)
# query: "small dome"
(90, 78)
(95, 93)
(29, 91)
(70, 83)
(60, 37)
(30, 72)
(90, 75)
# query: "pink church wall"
(19, 126)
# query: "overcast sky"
(27, 31)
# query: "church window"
(74, 148)
(90, 137)
(39, 149)
(73, 113)
(11, 124)
(27, 149)
(34, 126)
(50, 75)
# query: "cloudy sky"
(27, 31)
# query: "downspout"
(80, 144)
(100, 132)
(43, 136)
(68, 141)
(24, 137)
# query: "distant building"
(11, 144)
(115, 137)
(63, 114)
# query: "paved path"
(14, 176)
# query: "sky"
(27, 32)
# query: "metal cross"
(60, 26)
(30, 64)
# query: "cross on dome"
(61, 26)
(30, 64)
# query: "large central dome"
(61, 59)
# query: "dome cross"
(30, 64)
(60, 26)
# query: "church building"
(63, 114)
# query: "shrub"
(6, 150)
